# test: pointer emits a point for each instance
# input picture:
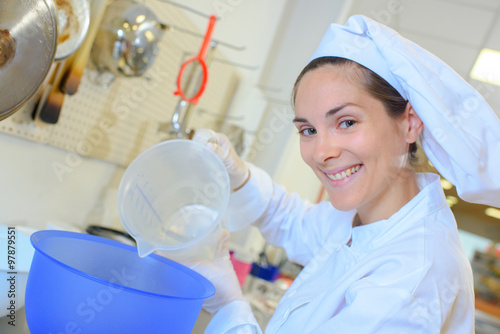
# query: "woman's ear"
(415, 124)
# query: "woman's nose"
(325, 148)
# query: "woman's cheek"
(306, 151)
(362, 143)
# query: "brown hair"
(374, 84)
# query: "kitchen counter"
(202, 322)
(487, 316)
(21, 326)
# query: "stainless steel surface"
(486, 323)
(16, 324)
(21, 326)
(202, 322)
(127, 41)
(28, 38)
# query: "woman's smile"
(343, 173)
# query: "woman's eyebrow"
(328, 114)
(299, 120)
(333, 111)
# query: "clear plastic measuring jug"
(172, 198)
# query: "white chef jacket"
(406, 274)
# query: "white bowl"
(14, 274)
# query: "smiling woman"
(384, 254)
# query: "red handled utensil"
(198, 60)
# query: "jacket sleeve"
(285, 220)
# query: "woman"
(384, 255)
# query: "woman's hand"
(221, 273)
(236, 168)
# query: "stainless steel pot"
(28, 42)
(127, 41)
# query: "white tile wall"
(40, 183)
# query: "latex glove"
(221, 273)
(236, 168)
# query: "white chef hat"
(461, 134)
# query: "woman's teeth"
(344, 174)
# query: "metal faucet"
(177, 126)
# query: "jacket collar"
(430, 199)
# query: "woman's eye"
(347, 124)
(308, 132)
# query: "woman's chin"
(342, 204)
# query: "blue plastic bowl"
(81, 283)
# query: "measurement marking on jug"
(147, 203)
(11, 278)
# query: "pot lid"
(28, 39)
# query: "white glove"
(221, 273)
(236, 168)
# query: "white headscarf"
(461, 134)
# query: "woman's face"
(348, 139)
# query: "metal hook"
(270, 89)
(192, 10)
(228, 62)
(244, 66)
(213, 44)
(219, 117)
(196, 34)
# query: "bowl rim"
(38, 236)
